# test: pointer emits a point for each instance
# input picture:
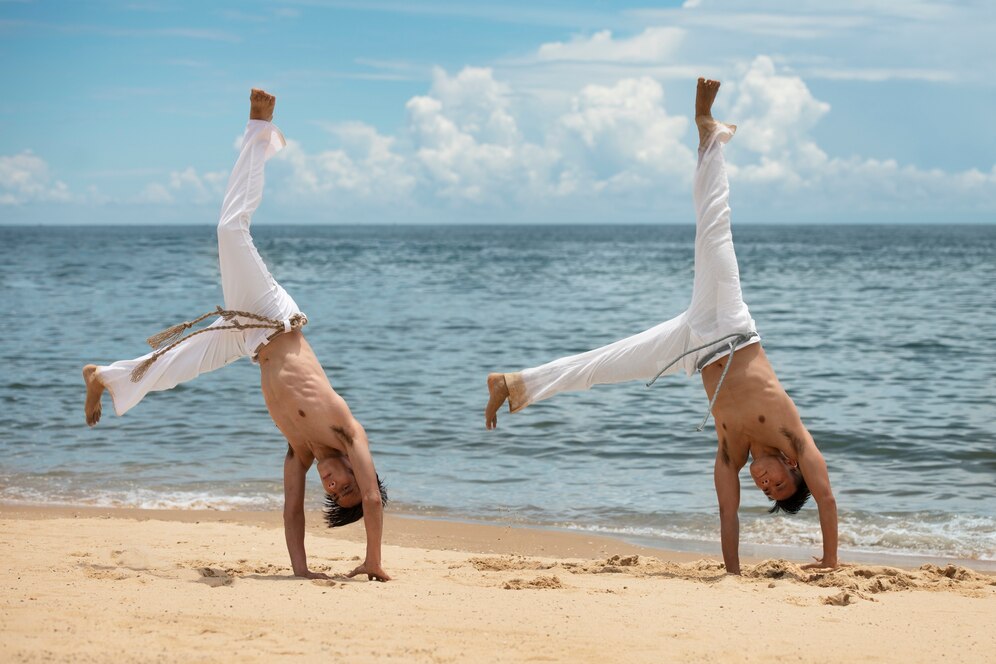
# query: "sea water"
(884, 336)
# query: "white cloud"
(616, 133)
(775, 152)
(467, 146)
(187, 187)
(366, 166)
(25, 178)
(655, 44)
(611, 147)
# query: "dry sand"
(131, 585)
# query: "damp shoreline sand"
(140, 585)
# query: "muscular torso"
(300, 398)
(753, 413)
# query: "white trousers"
(717, 308)
(246, 283)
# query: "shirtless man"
(315, 420)
(716, 336)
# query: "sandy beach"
(179, 586)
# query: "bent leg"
(639, 357)
(200, 354)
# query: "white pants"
(246, 283)
(717, 308)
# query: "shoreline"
(129, 585)
(451, 532)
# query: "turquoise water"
(885, 336)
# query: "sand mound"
(506, 563)
(874, 579)
(539, 583)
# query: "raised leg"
(245, 280)
(717, 307)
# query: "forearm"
(373, 521)
(730, 537)
(828, 524)
(294, 534)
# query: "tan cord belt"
(172, 336)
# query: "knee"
(231, 224)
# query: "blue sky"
(127, 112)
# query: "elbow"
(728, 512)
(372, 500)
(826, 501)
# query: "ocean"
(885, 337)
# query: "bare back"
(300, 397)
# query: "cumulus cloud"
(365, 166)
(654, 44)
(25, 178)
(466, 146)
(623, 135)
(186, 186)
(775, 151)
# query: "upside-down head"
(781, 481)
(343, 499)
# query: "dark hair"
(793, 503)
(336, 515)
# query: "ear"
(792, 463)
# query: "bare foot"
(705, 95)
(498, 391)
(94, 390)
(261, 105)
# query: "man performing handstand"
(717, 337)
(262, 321)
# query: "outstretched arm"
(727, 479)
(358, 450)
(294, 474)
(814, 471)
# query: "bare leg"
(261, 105)
(94, 390)
(705, 95)
(498, 393)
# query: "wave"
(919, 534)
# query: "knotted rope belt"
(171, 337)
(736, 340)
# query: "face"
(338, 480)
(773, 475)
